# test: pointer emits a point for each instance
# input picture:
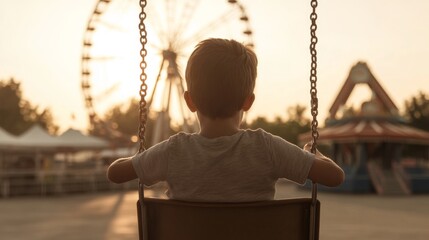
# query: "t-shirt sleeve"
(289, 161)
(151, 165)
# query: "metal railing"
(16, 182)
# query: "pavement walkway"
(109, 216)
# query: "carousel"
(375, 147)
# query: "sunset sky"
(41, 47)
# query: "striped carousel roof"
(377, 120)
(370, 130)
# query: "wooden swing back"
(165, 219)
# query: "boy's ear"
(248, 102)
(189, 101)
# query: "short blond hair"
(220, 75)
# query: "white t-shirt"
(238, 168)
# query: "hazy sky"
(41, 46)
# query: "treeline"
(125, 119)
(17, 114)
(288, 128)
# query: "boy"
(223, 163)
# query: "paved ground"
(111, 216)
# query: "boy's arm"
(150, 166)
(324, 170)
(121, 171)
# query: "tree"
(18, 114)
(289, 129)
(124, 119)
(417, 114)
(119, 124)
(296, 123)
(417, 111)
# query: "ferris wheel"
(110, 56)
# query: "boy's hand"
(121, 171)
(307, 147)
(324, 170)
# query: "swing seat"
(163, 219)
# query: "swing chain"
(143, 87)
(313, 76)
(314, 112)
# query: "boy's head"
(220, 76)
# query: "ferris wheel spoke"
(154, 46)
(121, 16)
(180, 84)
(180, 91)
(188, 12)
(209, 27)
(155, 23)
(158, 77)
(120, 7)
(187, 116)
(112, 26)
(107, 91)
(128, 4)
(103, 58)
(169, 9)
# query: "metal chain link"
(314, 112)
(313, 77)
(143, 86)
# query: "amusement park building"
(376, 148)
(39, 163)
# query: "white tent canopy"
(37, 138)
(75, 139)
(7, 139)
